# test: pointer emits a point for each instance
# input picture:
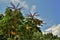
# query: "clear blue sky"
(49, 10)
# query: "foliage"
(50, 36)
(14, 26)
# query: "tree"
(14, 23)
(15, 7)
(50, 36)
(14, 26)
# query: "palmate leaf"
(12, 5)
(17, 5)
(32, 15)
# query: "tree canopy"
(14, 26)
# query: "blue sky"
(49, 10)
